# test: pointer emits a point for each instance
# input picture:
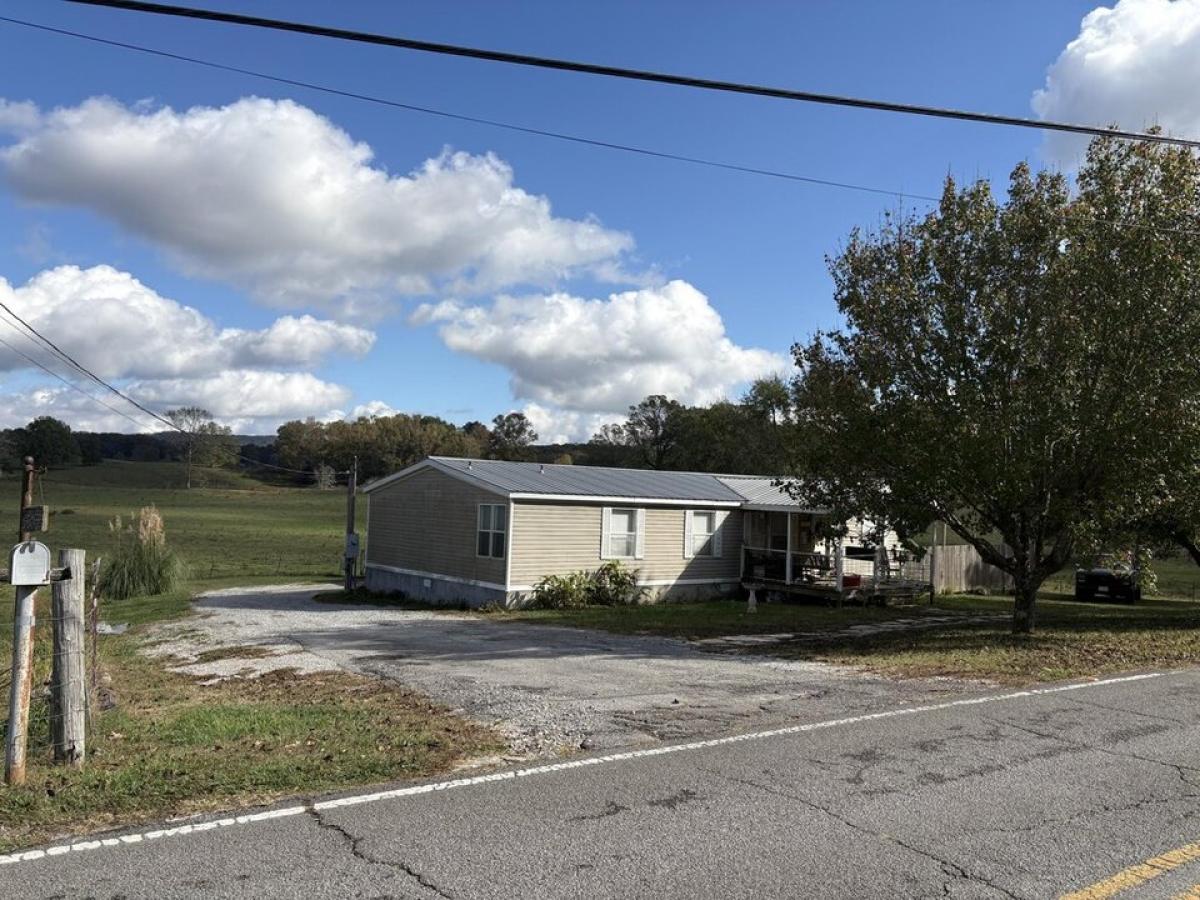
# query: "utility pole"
(351, 536)
(22, 668)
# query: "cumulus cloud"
(1133, 64)
(242, 398)
(570, 356)
(165, 354)
(276, 199)
(562, 426)
(235, 399)
(118, 327)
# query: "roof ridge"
(585, 467)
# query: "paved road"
(1025, 795)
(546, 688)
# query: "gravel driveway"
(549, 689)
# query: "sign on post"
(29, 564)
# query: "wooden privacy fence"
(958, 568)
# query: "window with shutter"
(621, 533)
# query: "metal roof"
(592, 481)
(758, 490)
(535, 480)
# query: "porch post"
(839, 564)
(787, 565)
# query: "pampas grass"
(141, 563)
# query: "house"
(486, 531)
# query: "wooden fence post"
(18, 696)
(70, 683)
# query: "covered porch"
(782, 554)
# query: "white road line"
(415, 790)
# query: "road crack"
(951, 869)
(353, 844)
(1185, 773)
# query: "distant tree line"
(750, 435)
(384, 444)
(200, 442)
(747, 436)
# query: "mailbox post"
(29, 569)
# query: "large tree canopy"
(1020, 370)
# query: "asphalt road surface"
(1021, 794)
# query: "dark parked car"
(1117, 585)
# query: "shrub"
(561, 591)
(141, 563)
(610, 585)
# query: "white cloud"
(165, 355)
(276, 199)
(1134, 64)
(562, 426)
(234, 399)
(370, 410)
(573, 358)
(244, 399)
(120, 328)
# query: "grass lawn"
(170, 746)
(1072, 640)
(711, 618)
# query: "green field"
(235, 527)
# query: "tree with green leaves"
(202, 441)
(652, 430)
(49, 441)
(1017, 369)
(511, 436)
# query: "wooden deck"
(865, 593)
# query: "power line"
(79, 367)
(476, 120)
(65, 381)
(539, 132)
(62, 354)
(565, 65)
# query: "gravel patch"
(549, 689)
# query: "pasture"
(235, 527)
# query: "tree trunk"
(1023, 606)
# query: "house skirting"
(441, 590)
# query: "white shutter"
(605, 531)
(640, 545)
(688, 542)
(718, 527)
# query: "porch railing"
(760, 563)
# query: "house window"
(493, 525)
(704, 526)
(621, 533)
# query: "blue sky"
(753, 247)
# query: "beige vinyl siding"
(555, 538)
(427, 522)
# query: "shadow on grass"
(1070, 641)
